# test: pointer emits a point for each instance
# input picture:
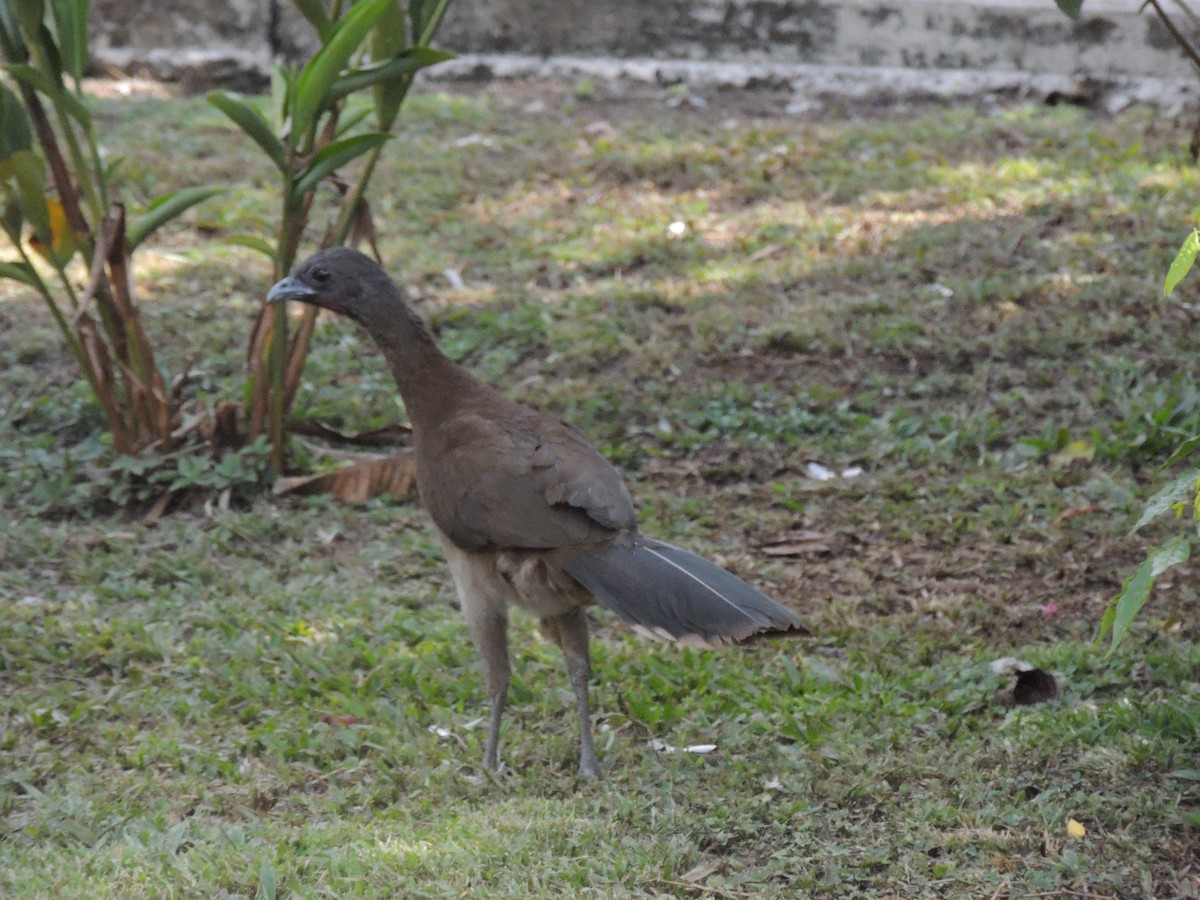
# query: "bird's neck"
(426, 377)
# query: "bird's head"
(342, 280)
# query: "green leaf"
(397, 69)
(318, 17)
(426, 17)
(18, 271)
(30, 76)
(70, 25)
(11, 219)
(254, 242)
(25, 168)
(1136, 590)
(40, 83)
(318, 75)
(76, 108)
(163, 209)
(15, 131)
(333, 156)
(253, 123)
(1182, 452)
(266, 880)
(1175, 491)
(29, 14)
(387, 41)
(1070, 7)
(1183, 262)
(12, 45)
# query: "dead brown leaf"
(358, 482)
(702, 870)
(339, 721)
(800, 543)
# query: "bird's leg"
(570, 632)
(488, 625)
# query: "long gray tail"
(668, 593)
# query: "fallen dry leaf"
(700, 871)
(357, 482)
(339, 721)
(798, 543)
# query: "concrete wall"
(1112, 40)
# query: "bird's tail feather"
(666, 592)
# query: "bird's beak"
(290, 289)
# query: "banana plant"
(59, 215)
(309, 136)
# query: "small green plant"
(1183, 493)
(66, 227)
(310, 134)
(1180, 496)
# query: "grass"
(276, 698)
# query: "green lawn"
(276, 697)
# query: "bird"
(528, 513)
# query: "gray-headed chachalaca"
(527, 511)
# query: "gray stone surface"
(945, 43)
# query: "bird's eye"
(320, 276)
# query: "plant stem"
(1180, 39)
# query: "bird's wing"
(519, 483)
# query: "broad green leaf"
(333, 156)
(398, 69)
(12, 45)
(1177, 490)
(25, 168)
(50, 61)
(70, 25)
(1070, 7)
(1182, 452)
(63, 243)
(30, 76)
(387, 40)
(254, 242)
(317, 76)
(40, 83)
(266, 879)
(1183, 262)
(76, 108)
(11, 219)
(29, 14)
(18, 271)
(163, 209)
(426, 17)
(253, 123)
(15, 131)
(1136, 590)
(318, 17)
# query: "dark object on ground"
(526, 510)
